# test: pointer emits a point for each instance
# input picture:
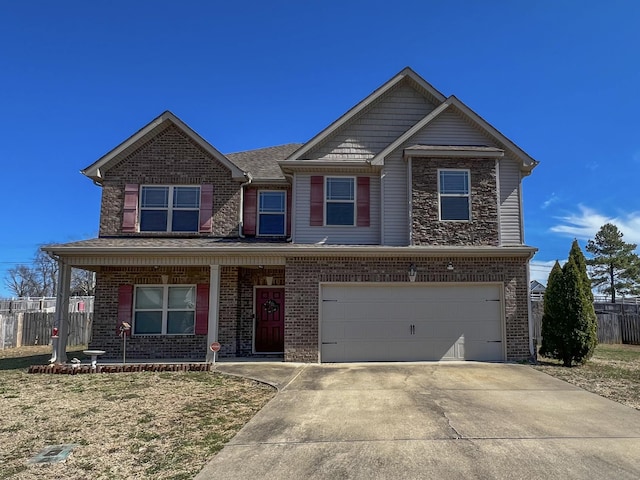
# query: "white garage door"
(373, 322)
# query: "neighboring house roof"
(353, 112)
(536, 287)
(96, 170)
(262, 163)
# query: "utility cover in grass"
(53, 454)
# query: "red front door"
(269, 320)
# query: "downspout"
(532, 347)
(291, 215)
(241, 209)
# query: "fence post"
(19, 329)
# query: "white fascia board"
(96, 169)
(296, 251)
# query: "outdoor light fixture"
(450, 267)
(413, 271)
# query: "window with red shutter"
(250, 211)
(125, 307)
(206, 208)
(316, 214)
(363, 202)
(202, 309)
(130, 210)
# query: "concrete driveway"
(428, 420)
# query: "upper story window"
(340, 201)
(271, 213)
(454, 195)
(169, 208)
(164, 310)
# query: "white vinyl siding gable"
(334, 234)
(375, 128)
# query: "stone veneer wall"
(151, 347)
(170, 158)
(427, 229)
(304, 274)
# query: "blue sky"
(559, 78)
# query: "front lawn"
(613, 372)
(126, 425)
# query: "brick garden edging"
(134, 367)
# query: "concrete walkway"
(428, 420)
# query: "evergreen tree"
(553, 315)
(615, 267)
(569, 324)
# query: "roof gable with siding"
(372, 129)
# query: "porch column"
(214, 308)
(62, 311)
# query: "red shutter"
(288, 194)
(202, 309)
(363, 219)
(317, 201)
(206, 208)
(125, 307)
(250, 211)
(130, 211)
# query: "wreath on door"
(271, 306)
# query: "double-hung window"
(271, 213)
(454, 195)
(340, 201)
(169, 208)
(164, 310)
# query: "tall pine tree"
(569, 324)
(615, 267)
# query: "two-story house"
(394, 234)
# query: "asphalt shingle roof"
(262, 163)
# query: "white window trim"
(170, 208)
(354, 201)
(283, 213)
(468, 195)
(165, 309)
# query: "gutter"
(298, 250)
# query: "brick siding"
(235, 319)
(304, 274)
(427, 229)
(170, 158)
(151, 347)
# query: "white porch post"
(62, 310)
(214, 308)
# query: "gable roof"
(96, 170)
(528, 163)
(353, 112)
(262, 163)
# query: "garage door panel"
(411, 322)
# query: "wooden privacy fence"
(35, 328)
(615, 323)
